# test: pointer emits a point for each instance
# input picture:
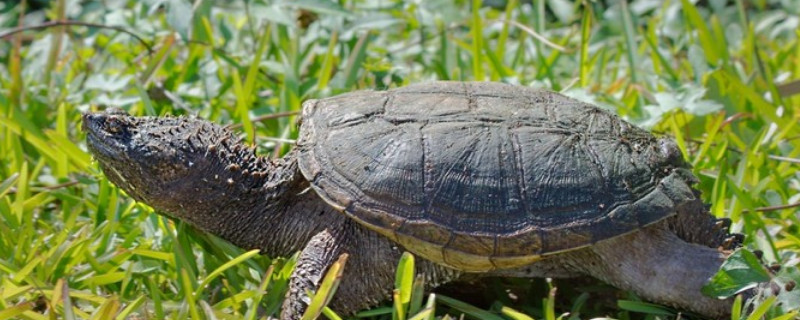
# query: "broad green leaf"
(740, 271)
(788, 280)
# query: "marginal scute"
(506, 173)
(676, 188)
(410, 233)
(527, 242)
(434, 234)
(468, 262)
(653, 207)
(566, 238)
(624, 216)
(311, 168)
(309, 107)
(380, 221)
(337, 198)
(472, 243)
(502, 262)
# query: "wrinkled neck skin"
(251, 201)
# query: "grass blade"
(15, 311)
(696, 22)
(467, 308)
(643, 307)
(476, 27)
(586, 31)
(326, 289)
(514, 314)
(762, 308)
(188, 295)
(218, 271)
(630, 41)
(326, 72)
(356, 60)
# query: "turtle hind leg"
(658, 266)
(695, 224)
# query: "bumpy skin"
(198, 172)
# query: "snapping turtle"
(479, 177)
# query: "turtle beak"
(96, 136)
(94, 124)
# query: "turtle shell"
(481, 176)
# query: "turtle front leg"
(320, 252)
(368, 277)
(658, 266)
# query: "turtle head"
(194, 171)
(156, 160)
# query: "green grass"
(73, 246)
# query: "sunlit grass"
(73, 246)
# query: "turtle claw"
(733, 241)
(727, 240)
(722, 224)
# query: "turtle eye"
(114, 125)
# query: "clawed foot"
(729, 241)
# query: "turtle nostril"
(90, 121)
